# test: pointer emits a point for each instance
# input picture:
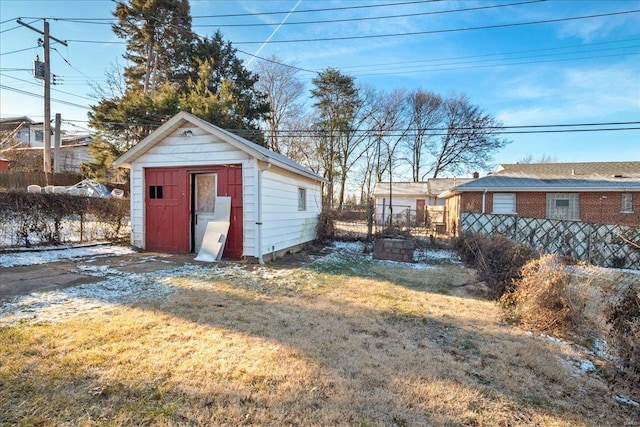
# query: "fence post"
(369, 220)
(589, 243)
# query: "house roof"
(401, 188)
(571, 170)
(438, 185)
(431, 187)
(558, 177)
(238, 142)
(21, 119)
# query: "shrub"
(43, 218)
(325, 229)
(539, 298)
(624, 319)
(497, 259)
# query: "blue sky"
(507, 59)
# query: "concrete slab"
(24, 280)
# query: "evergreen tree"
(158, 35)
(222, 91)
(169, 70)
(337, 102)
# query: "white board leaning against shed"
(182, 169)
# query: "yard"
(333, 339)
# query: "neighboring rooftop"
(571, 170)
(559, 177)
(20, 119)
(431, 187)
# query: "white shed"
(181, 169)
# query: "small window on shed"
(627, 203)
(155, 191)
(302, 199)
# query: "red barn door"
(167, 210)
(170, 211)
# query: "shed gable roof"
(236, 141)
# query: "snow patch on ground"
(62, 304)
(355, 247)
(63, 253)
(437, 256)
(422, 258)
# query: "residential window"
(302, 199)
(504, 203)
(627, 203)
(563, 206)
(39, 135)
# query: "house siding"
(595, 207)
(471, 202)
(400, 206)
(606, 208)
(283, 224)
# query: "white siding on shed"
(283, 224)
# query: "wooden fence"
(15, 180)
(600, 244)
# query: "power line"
(371, 18)
(69, 64)
(449, 30)
(24, 92)
(231, 15)
(276, 62)
(433, 69)
(516, 52)
(56, 90)
(19, 50)
(109, 21)
(503, 130)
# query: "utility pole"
(47, 91)
(57, 144)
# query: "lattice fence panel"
(599, 244)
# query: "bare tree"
(389, 126)
(282, 89)
(469, 139)
(426, 113)
(544, 158)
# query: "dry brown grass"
(372, 344)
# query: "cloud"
(599, 28)
(573, 93)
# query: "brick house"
(598, 192)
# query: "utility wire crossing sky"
(563, 76)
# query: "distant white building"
(412, 202)
(22, 133)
